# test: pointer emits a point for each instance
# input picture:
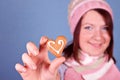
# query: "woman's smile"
(95, 45)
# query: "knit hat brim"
(82, 7)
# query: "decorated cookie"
(56, 46)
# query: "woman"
(89, 57)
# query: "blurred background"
(27, 20)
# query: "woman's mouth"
(96, 45)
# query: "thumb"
(55, 64)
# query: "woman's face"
(94, 37)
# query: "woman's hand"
(37, 65)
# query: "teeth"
(96, 45)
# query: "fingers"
(32, 49)
(27, 60)
(43, 41)
(43, 49)
(28, 64)
(55, 64)
(38, 55)
(20, 68)
(35, 56)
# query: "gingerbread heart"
(56, 46)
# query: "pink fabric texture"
(72, 75)
(82, 7)
(112, 73)
(99, 69)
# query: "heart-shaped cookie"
(56, 46)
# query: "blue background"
(27, 20)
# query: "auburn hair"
(72, 48)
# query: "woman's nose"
(98, 35)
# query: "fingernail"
(44, 39)
(36, 52)
(23, 70)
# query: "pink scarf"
(90, 67)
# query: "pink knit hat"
(78, 8)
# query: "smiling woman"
(88, 57)
(91, 23)
(27, 20)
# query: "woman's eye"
(88, 27)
